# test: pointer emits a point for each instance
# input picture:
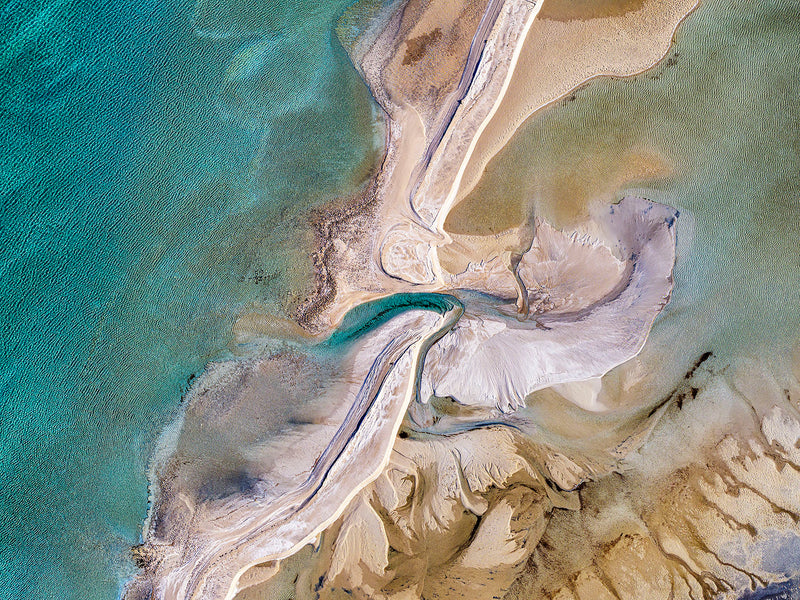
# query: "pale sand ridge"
(526, 321)
(560, 56)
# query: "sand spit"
(439, 139)
(563, 51)
(275, 451)
(297, 435)
(300, 437)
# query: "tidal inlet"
(402, 299)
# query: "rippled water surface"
(158, 164)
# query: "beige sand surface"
(558, 54)
(207, 546)
(562, 52)
(398, 250)
(693, 526)
(201, 543)
(416, 61)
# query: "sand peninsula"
(395, 453)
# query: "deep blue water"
(158, 161)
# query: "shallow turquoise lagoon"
(158, 163)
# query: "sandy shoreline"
(408, 135)
(456, 166)
(561, 56)
(527, 290)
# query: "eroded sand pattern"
(463, 414)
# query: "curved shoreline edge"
(406, 165)
(211, 552)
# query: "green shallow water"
(158, 164)
(370, 315)
(723, 111)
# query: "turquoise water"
(158, 164)
(370, 315)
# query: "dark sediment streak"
(467, 76)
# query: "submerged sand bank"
(527, 63)
(563, 52)
(457, 504)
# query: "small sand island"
(428, 426)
